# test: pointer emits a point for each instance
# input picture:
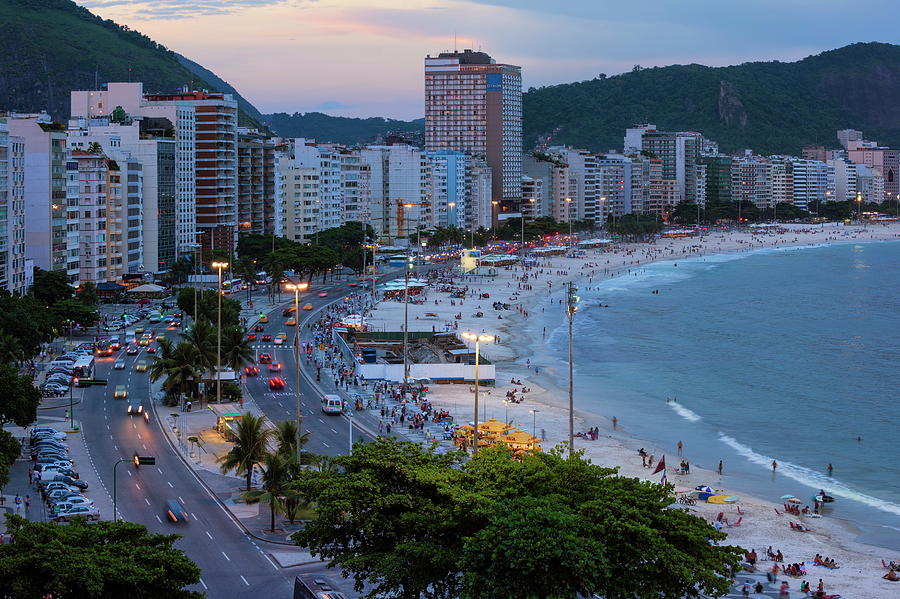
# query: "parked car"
(67, 504)
(61, 478)
(89, 512)
(58, 495)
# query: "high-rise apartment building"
(256, 182)
(12, 211)
(45, 189)
(583, 192)
(399, 188)
(679, 153)
(474, 105)
(884, 162)
(205, 126)
(718, 179)
(355, 196)
(150, 141)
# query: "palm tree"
(285, 435)
(273, 264)
(236, 350)
(181, 365)
(251, 438)
(10, 349)
(277, 473)
(203, 336)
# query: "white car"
(119, 365)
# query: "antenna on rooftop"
(454, 41)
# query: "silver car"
(88, 511)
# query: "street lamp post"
(219, 266)
(406, 306)
(477, 338)
(494, 204)
(859, 199)
(569, 217)
(72, 404)
(898, 204)
(297, 288)
(571, 307)
(451, 217)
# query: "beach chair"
(776, 511)
(720, 517)
(739, 511)
(736, 524)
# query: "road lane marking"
(325, 444)
(334, 431)
(129, 472)
(158, 518)
(147, 500)
(158, 470)
(138, 486)
(226, 556)
(245, 580)
(209, 535)
(144, 445)
(269, 558)
(204, 585)
(193, 516)
(180, 499)
(139, 435)
(170, 485)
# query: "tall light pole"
(494, 204)
(297, 288)
(72, 404)
(571, 307)
(859, 206)
(477, 338)
(406, 304)
(219, 266)
(569, 217)
(898, 204)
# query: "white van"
(332, 404)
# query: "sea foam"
(685, 413)
(810, 478)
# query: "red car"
(287, 312)
(322, 293)
(266, 338)
(151, 349)
(276, 383)
(275, 367)
(251, 337)
(259, 328)
(265, 358)
(251, 370)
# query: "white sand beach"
(860, 569)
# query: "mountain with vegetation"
(343, 130)
(771, 107)
(50, 47)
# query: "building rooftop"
(468, 56)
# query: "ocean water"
(778, 354)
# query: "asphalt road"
(232, 564)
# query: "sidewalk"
(83, 465)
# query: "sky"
(365, 57)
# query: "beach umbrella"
(794, 500)
(788, 496)
(683, 490)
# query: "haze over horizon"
(364, 58)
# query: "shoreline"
(518, 358)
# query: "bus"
(232, 285)
(104, 348)
(83, 368)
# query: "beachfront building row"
(12, 212)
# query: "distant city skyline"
(363, 57)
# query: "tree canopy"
(50, 286)
(106, 559)
(207, 306)
(20, 398)
(417, 524)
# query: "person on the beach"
(615, 421)
(774, 465)
(720, 467)
(680, 447)
(830, 468)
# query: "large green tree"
(93, 561)
(51, 286)
(208, 306)
(20, 398)
(74, 311)
(278, 470)
(413, 524)
(10, 448)
(27, 320)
